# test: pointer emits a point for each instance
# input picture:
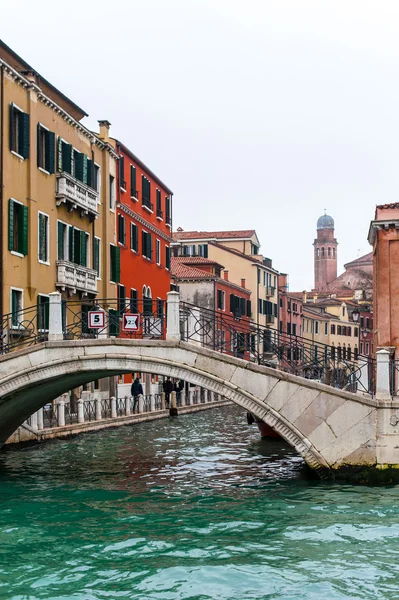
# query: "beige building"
(57, 185)
(238, 251)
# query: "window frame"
(20, 291)
(45, 330)
(41, 261)
(158, 251)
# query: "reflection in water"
(196, 507)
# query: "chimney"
(226, 275)
(305, 296)
(104, 130)
(243, 283)
(315, 298)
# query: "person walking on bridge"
(136, 391)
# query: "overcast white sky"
(257, 114)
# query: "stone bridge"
(328, 427)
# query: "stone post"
(211, 396)
(81, 411)
(183, 397)
(127, 406)
(173, 317)
(55, 317)
(98, 406)
(205, 396)
(163, 401)
(61, 413)
(40, 419)
(173, 405)
(152, 402)
(383, 389)
(33, 421)
(141, 403)
(113, 407)
(190, 397)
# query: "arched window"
(339, 352)
(318, 252)
(322, 251)
(147, 301)
(349, 353)
(333, 252)
(344, 352)
(329, 252)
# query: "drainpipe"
(1, 189)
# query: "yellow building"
(238, 251)
(57, 186)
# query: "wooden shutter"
(205, 250)
(25, 230)
(71, 249)
(76, 246)
(24, 135)
(248, 308)
(133, 301)
(66, 158)
(83, 249)
(39, 146)
(96, 261)
(167, 261)
(143, 243)
(135, 241)
(42, 238)
(149, 238)
(11, 225)
(79, 159)
(59, 154)
(60, 240)
(117, 265)
(133, 189)
(50, 152)
(232, 303)
(84, 168)
(12, 121)
(89, 172)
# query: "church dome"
(325, 222)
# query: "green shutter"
(89, 172)
(84, 168)
(11, 225)
(66, 158)
(71, 249)
(117, 265)
(79, 159)
(12, 120)
(39, 147)
(83, 249)
(96, 261)
(167, 261)
(50, 151)
(133, 189)
(42, 238)
(76, 246)
(24, 135)
(113, 322)
(59, 154)
(25, 230)
(60, 240)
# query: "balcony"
(159, 213)
(270, 290)
(270, 318)
(76, 278)
(76, 195)
(168, 220)
(146, 203)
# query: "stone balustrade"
(76, 194)
(75, 277)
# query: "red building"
(144, 224)
(290, 313)
(227, 305)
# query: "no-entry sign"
(130, 322)
(96, 319)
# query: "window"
(281, 303)
(203, 250)
(367, 348)
(237, 306)
(62, 241)
(255, 249)
(45, 149)
(133, 301)
(115, 263)
(325, 328)
(249, 309)
(43, 304)
(349, 353)
(322, 251)
(329, 252)
(112, 192)
(134, 237)
(122, 182)
(339, 353)
(356, 353)
(333, 352)
(78, 249)
(133, 185)
(294, 329)
(19, 131)
(339, 330)
(159, 205)
(343, 311)
(121, 299)
(16, 306)
(349, 331)
(289, 328)
(147, 301)
(281, 327)
(96, 260)
(160, 308)
(356, 331)
(146, 193)
(361, 348)
(17, 227)
(167, 257)
(43, 242)
(318, 252)
(168, 211)
(64, 160)
(146, 244)
(82, 167)
(367, 323)
(343, 330)
(121, 230)
(316, 327)
(221, 300)
(96, 178)
(158, 251)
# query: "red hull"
(266, 430)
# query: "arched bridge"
(328, 427)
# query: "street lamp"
(355, 315)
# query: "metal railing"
(22, 328)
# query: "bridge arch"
(30, 378)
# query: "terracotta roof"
(366, 258)
(221, 235)
(246, 256)
(180, 270)
(392, 205)
(316, 313)
(339, 293)
(197, 260)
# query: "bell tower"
(325, 253)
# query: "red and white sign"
(96, 319)
(130, 322)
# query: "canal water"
(190, 508)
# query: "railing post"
(98, 406)
(163, 401)
(183, 397)
(173, 317)
(205, 396)
(55, 317)
(383, 388)
(173, 405)
(61, 413)
(152, 402)
(40, 419)
(127, 406)
(141, 403)
(190, 397)
(81, 411)
(211, 396)
(113, 407)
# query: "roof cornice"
(379, 225)
(128, 211)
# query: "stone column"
(163, 401)
(33, 421)
(127, 406)
(190, 397)
(173, 317)
(98, 406)
(61, 413)
(173, 405)
(113, 407)
(383, 389)
(183, 397)
(81, 411)
(205, 396)
(211, 396)
(152, 402)
(55, 317)
(141, 403)
(40, 419)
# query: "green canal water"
(191, 508)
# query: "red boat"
(265, 430)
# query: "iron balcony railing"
(159, 213)
(147, 203)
